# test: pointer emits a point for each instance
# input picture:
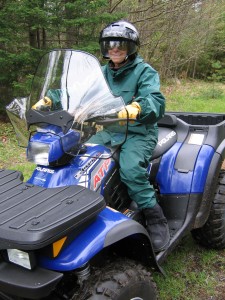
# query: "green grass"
(195, 96)
(192, 272)
(11, 155)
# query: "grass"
(195, 96)
(192, 272)
(11, 155)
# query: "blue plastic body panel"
(172, 181)
(87, 244)
(87, 171)
(58, 142)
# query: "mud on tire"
(120, 280)
(212, 234)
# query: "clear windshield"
(74, 81)
(69, 81)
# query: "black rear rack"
(199, 118)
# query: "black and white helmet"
(120, 34)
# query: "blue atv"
(71, 231)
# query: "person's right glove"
(130, 111)
(43, 104)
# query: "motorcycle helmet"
(120, 34)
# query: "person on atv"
(138, 84)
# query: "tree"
(178, 38)
(31, 27)
(175, 35)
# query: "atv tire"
(212, 234)
(120, 280)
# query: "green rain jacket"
(138, 81)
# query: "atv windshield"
(69, 92)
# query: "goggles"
(120, 45)
(124, 45)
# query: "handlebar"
(103, 120)
(109, 118)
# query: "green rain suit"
(135, 81)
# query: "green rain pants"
(134, 159)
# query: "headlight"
(38, 153)
(46, 148)
(21, 258)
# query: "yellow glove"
(43, 104)
(130, 111)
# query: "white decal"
(196, 139)
(45, 170)
(167, 138)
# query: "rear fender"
(210, 186)
(221, 149)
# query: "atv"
(71, 231)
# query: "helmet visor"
(122, 45)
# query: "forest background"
(182, 39)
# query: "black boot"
(157, 227)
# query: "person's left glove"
(131, 111)
(43, 104)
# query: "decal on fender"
(167, 138)
(45, 170)
(98, 173)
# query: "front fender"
(109, 227)
(133, 241)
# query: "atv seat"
(168, 121)
(167, 136)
